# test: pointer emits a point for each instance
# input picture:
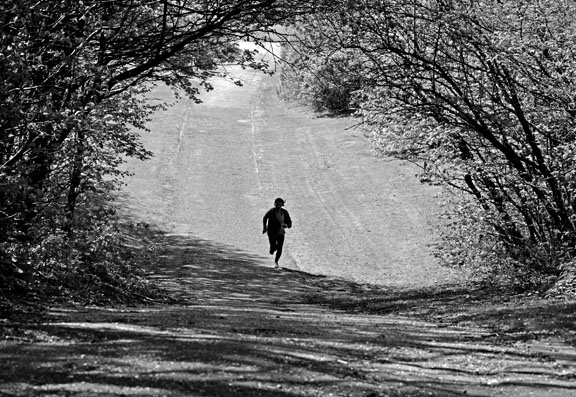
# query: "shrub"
(325, 79)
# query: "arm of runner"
(287, 219)
(264, 220)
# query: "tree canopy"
(72, 78)
(480, 93)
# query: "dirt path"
(250, 330)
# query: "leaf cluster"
(318, 74)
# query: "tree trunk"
(75, 181)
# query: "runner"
(276, 220)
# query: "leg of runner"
(273, 246)
(279, 245)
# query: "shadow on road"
(251, 330)
(505, 316)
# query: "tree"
(72, 78)
(481, 92)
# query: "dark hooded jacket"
(274, 225)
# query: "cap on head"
(279, 200)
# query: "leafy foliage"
(72, 78)
(319, 75)
(480, 94)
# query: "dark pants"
(276, 244)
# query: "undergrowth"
(107, 262)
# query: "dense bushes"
(318, 75)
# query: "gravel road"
(219, 165)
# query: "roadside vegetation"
(479, 94)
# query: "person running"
(276, 220)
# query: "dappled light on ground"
(251, 330)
